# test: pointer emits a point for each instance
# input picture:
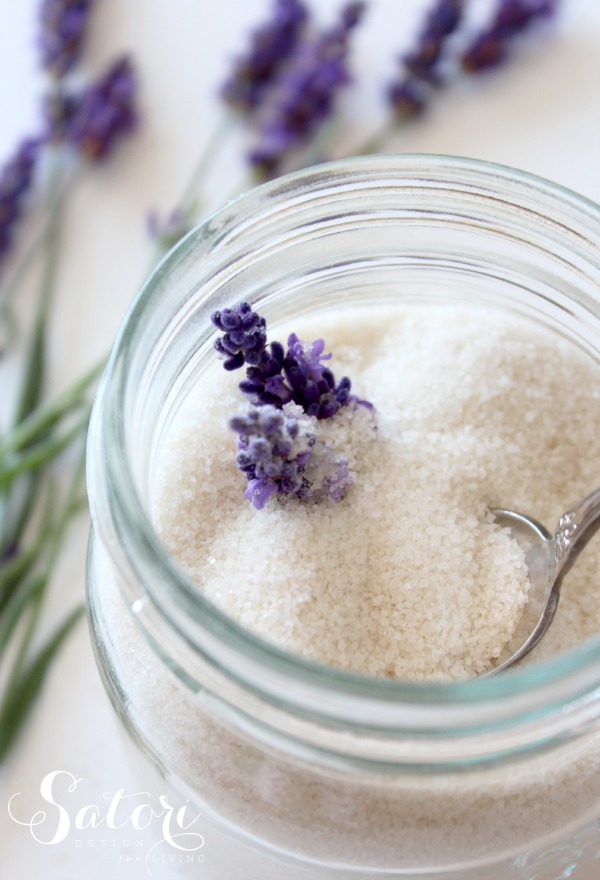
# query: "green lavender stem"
(56, 198)
(26, 675)
(47, 415)
(32, 385)
(23, 582)
(188, 203)
(19, 700)
(42, 453)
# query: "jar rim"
(178, 597)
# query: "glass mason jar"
(303, 771)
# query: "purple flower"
(313, 384)
(244, 335)
(274, 449)
(512, 17)
(280, 455)
(104, 112)
(265, 382)
(62, 32)
(442, 20)
(308, 356)
(304, 92)
(15, 181)
(278, 448)
(296, 375)
(276, 376)
(271, 45)
(421, 67)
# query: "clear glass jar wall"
(301, 771)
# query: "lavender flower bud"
(15, 181)
(62, 33)
(104, 113)
(244, 336)
(271, 45)
(512, 17)
(304, 92)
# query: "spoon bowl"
(548, 558)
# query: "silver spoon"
(548, 558)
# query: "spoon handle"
(575, 528)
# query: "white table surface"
(540, 113)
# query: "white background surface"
(541, 114)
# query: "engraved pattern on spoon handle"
(575, 528)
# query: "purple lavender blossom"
(313, 384)
(304, 93)
(104, 112)
(62, 33)
(274, 375)
(15, 181)
(308, 356)
(244, 335)
(512, 17)
(271, 45)
(421, 67)
(296, 375)
(441, 21)
(280, 455)
(265, 382)
(274, 449)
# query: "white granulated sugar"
(408, 575)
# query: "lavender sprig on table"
(511, 18)
(34, 515)
(62, 32)
(105, 112)
(305, 92)
(421, 66)
(15, 182)
(270, 47)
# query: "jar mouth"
(239, 652)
